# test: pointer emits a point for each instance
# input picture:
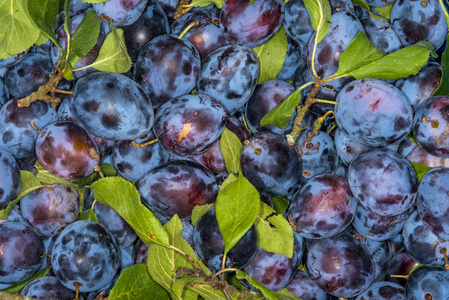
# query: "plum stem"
(42, 133)
(138, 146)
(257, 150)
(194, 23)
(42, 92)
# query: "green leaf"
(86, 34)
(202, 3)
(200, 210)
(230, 147)
(320, 16)
(16, 288)
(420, 170)
(123, 197)
(237, 207)
(286, 292)
(280, 205)
(281, 115)
(28, 180)
(29, 184)
(274, 231)
(384, 11)
(113, 56)
(42, 39)
(180, 283)
(361, 51)
(391, 66)
(207, 292)
(43, 14)
(17, 30)
(45, 176)
(269, 294)
(135, 283)
(271, 56)
(443, 88)
(68, 74)
(88, 215)
(164, 263)
(107, 169)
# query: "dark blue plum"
(297, 22)
(177, 187)
(293, 59)
(10, 180)
(373, 112)
(323, 207)
(169, 7)
(275, 270)
(206, 36)
(318, 155)
(85, 256)
(415, 21)
(121, 12)
(67, 150)
(15, 215)
(432, 203)
(383, 290)
(132, 163)
(4, 93)
(251, 25)
(16, 133)
(152, 23)
(429, 283)
(78, 6)
(266, 96)
(421, 244)
(305, 288)
(341, 5)
(190, 124)
(209, 244)
(422, 157)
(120, 229)
(383, 181)
(271, 164)
(377, 227)
(140, 253)
(29, 74)
(339, 265)
(401, 264)
(420, 86)
(167, 67)
(230, 75)
(430, 125)
(112, 106)
(380, 253)
(126, 257)
(348, 148)
(12, 60)
(47, 288)
(65, 114)
(381, 34)
(49, 208)
(21, 252)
